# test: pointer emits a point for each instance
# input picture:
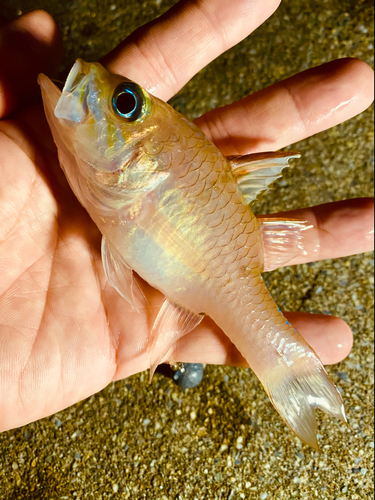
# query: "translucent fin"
(171, 324)
(297, 390)
(284, 240)
(120, 276)
(257, 171)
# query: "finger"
(292, 110)
(329, 336)
(344, 228)
(28, 46)
(164, 54)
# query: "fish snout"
(72, 105)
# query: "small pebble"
(344, 376)
(231, 496)
(189, 376)
(362, 29)
(239, 444)
(264, 496)
(57, 422)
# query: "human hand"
(64, 332)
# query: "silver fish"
(172, 208)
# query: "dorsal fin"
(255, 172)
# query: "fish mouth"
(72, 105)
(79, 70)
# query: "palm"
(51, 283)
(64, 332)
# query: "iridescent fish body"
(172, 208)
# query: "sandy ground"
(223, 440)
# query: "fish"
(174, 210)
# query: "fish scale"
(172, 208)
(228, 280)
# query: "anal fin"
(285, 240)
(120, 276)
(171, 324)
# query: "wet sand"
(223, 440)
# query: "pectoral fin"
(284, 240)
(171, 324)
(120, 276)
(255, 172)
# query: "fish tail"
(296, 389)
(289, 369)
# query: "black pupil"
(126, 103)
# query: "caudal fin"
(297, 390)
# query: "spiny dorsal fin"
(171, 324)
(255, 172)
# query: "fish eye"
(127, 101)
